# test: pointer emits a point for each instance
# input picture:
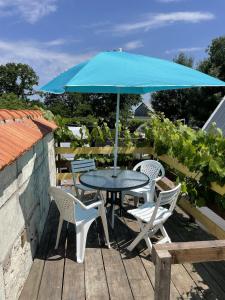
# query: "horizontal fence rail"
(163, 256)
(107, 150)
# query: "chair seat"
(144, 189)
(82, 187)
(145, 211)
(83, 215)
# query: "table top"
(104, 180)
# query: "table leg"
(113, 198)
(113, 208)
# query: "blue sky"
(52, 35)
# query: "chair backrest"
(151, 168)
(81, 166)
(65, 203)
(166, 198)
(169, 197)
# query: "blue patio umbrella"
(120, 72)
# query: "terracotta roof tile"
(19, 131)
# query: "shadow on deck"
(115, 273)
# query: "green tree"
(177, 104)
(215, 63)
(99, 106)
(104, 106)
(195, 105)
(12, 101)
(18, 79)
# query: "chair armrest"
(93, 205)
(137, 166)
(158, 178)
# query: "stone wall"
(24, 204)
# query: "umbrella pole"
(117, 134)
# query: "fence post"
(162, 261)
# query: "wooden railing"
(172, 162)
(163, 256)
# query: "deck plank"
(117, 280)
(32, 284)
(95, 278)
(116, 273)
(73, 282)
(137, 276)
(52, 278)
(145, 257)
(180, 229)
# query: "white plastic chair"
(155, 171)
(74, 211)
(81, 166)
(152, 216)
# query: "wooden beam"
(191, 252)
(64, 176)
(175, 164)
(103, 150)
(170, 161)
(212, 227)
(219, 189)
(163, 261)
(163, 255)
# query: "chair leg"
(137, 240)
(113, 216)
(148, 243)
(82, 195)
(122, 197)
(166, 238)
(147, 239)
(59, 232)
(149, 196)
(81, 237)
(104, 223)
(136, 201)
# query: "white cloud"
(163, 19)
(56, 42)
(29, 10)
(191, 49)
(133, 45)
(46, 61)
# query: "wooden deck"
(115, 273)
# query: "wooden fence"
(163, 256)
(172, 162)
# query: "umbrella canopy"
(125, 73)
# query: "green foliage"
(18, 79)
(91, 106)
(12, 101)
(195, 105)
(95, 135)
(63, 134)
(198, 150)
(133, 124)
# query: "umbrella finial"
(118, 50)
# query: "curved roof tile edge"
(21, 126)
(13, 114)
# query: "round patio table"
(104, 180)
